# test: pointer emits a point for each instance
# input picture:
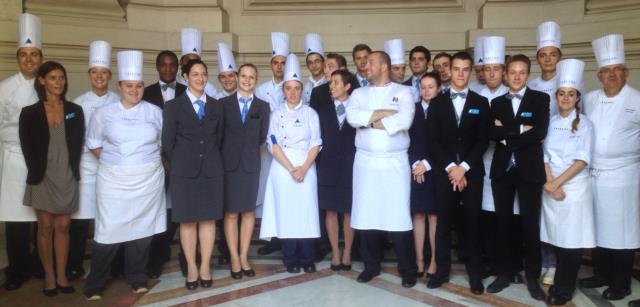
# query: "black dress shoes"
(293, 268)
(634, 303)
(66, 289)
(367, 276)
(345, 267)
(534, 289)
(191, 285)
(50, 292)
(408, 281)
(236, 275)
(557, 300)
(249, 272)
(309, 268)
(614, 295)
(266, 249)
(336, 267)
(13, 283)
(75, 273)
(517, 279)
(436, 282)
(206, 283)
(593, 282)
(499, 284)
(476, 286)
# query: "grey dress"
(57, 193)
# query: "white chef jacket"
(562, 147)
(309, 86)
(549, 87)
(616, 167)
(15, 93)
(272, 93)
(127, 136)
(476, 86)
(90, 102)
(486, 92)
(222, 94)
(381, 171)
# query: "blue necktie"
(416, 84)
(511, 96)
(245, 107)
(462, 95)
(200, 113)
(365, 82)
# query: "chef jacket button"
(282, 126)
(200, 155)
(201, 141)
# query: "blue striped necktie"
(200, 113)
(245, 107)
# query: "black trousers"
(447, 201)
(614, 266)
(530, 197)
(160, 247)
(488, 228)
(567, 266)
(78, 236)
(371, 250)
(136, 254)
(20, 236)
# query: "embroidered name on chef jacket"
(629, 110)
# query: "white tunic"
(381, 170)
(616, 167)
(221, 94)
(487, 158)
(309, 86)
(290, 208)
(15, 93)
(130, 178)
(549, 87)
(90, 102)
(272, 93)
(569, 223)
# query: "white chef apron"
(87, 202)
(290, 209)
(616, 195)
(381, 191)
(487, 192)
(131, 202)
(13, 182)
(265, 165)
(569, 223)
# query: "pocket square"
(526, 114)
(474, 111)
(69, 115)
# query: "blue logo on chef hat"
(28, 41)
(295, 75)
(480, 60)
(195, 50)
(230, 66)
(273, 52)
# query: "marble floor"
(274, 287)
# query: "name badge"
(69, 115)
(474, 111)
(526, 114)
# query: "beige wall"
(441, 25)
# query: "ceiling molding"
(316, 7)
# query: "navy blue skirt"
(423, 196)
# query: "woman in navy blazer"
(191, 138)
(51, 136)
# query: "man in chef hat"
(271, 91)
(478, 64)
(99, 95)
(548, 55)
(315, 63)
(227, 71)
(615, 113)
(191, 42)
(17, 91)
(395, 49)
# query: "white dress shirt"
(309, 86)
(168, 93)
(193, 100)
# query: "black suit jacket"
(334, 163)
(191, 145)
(33, 129)
(408, 82)
(153, 93)
(526, 147)
(448, 142)
(418, 146)
(321, 94)
(242, 141)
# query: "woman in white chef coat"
(125, 137)
(567, 220)
(291, 199)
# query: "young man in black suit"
(166, 88)
(419, 61)
(456, 136)
(159, 93)
(519, 122)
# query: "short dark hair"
(423, 49)
(310, 53)
(164, 53)
(360, 47)
(433, 75)
(520, 58)
(347, 78)
(462, 55)
(342, 62)
(43, 70)
(442, 55)
(186, 68)
(385, 57)
(248, 65)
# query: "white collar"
(193, 98)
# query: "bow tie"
(511, 96)
(172, 85)
(462, 95)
